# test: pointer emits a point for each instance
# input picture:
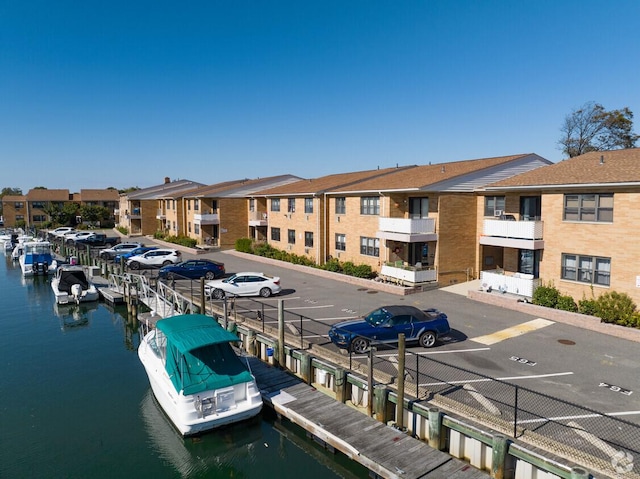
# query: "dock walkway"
(386, 451)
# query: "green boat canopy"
(199, 356)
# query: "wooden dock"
(382, 449)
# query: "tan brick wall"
(617, 240)
(457, 237)
(234, 221)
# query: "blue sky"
(123, 93)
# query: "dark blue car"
(384, 324)
(193, 269)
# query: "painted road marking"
(596, 441)
(394, 361)
(486, 403)
(512, 332)
(428, 353)
(510, 378)
(581, 416)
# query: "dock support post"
(341, 385)
(499, 449)
(203, 304)
(435, 428)
(280, 358)
(250, 345)
(370, 382)
(579, 473)
(381, 397)
(400, 400)
(305, 367)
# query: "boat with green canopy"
(195, 374)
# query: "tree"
(592, 128)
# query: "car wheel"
(360, 345)
(165, 263)
(218, 294)
(265, 292)
(134, 265)
(427, 339)
(108, 245)
(210, 275)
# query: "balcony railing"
(508, 282)
(206, 219)
(513, 234)
(407, 230)
(258, 218)
(408, 275)
(161, 214)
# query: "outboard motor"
(76, 292)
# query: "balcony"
(512, 234)
(407, 275)
(206, 219)
(134, 215)
(509, 282)
(161, 215)
(258, 218)
(407, 230)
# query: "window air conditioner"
(497, 213)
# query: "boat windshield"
(158, 344)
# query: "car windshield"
(230, 279)
(377, 317)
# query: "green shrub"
(333, 265)
(588, 306)
(566, 303)
(613, 307)
(546, 296)
(244, 245)
(124, 230)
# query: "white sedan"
(243, 284)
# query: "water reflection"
(219, 450)
(72, 315)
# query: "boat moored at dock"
(195, 374)
(71, 285)
(37, 258)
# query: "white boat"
(37, 258)
(196, 376)
(71, 285)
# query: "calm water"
(75, 403)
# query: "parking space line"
(428, 353)
(509, 378)
(512, 332)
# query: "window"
(370, 205)
(369, 246)
(291, 236)
(291, 205)
(586, 269)
(341, 205)
(19, 205)
(308, 205)
(19, 217)
(38, 205)
(341, 242)
(275, 204)
(252, 204)
(275, 234)
(589, 207)
(189, 226)
(196, 205)
(39, 218)
(308, 239)
(493, 204)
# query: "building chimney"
(167, 180)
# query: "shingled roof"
(594, 168)
(453, 176)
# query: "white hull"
(82, 291)
(221, 407)
(85, 296)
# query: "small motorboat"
(71, 285)
(195, 374)
(37, 258)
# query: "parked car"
(134, 252)
(110, 253)
(98, 240)
(193, 269)
(61, 231)
(155, 258)
(385, 323)
(243, 284)
(71, 238)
